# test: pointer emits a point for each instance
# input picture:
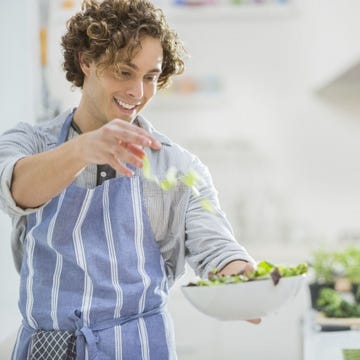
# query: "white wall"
(283, 156)
(16, 94)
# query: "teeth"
(124, 105)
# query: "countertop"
(326, 345)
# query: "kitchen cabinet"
(333, 39)
(326, 345)
(350, 76)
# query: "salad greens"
(332, 304)
(264, 270)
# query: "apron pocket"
(54, 344)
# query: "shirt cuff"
(7, 199)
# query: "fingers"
(237, 267)
(254, 321)
(126, 154)
(248, 268)
(132, 134)
(134, 149)
(118, 143)
(120, 167)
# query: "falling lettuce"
(264, 271)
(191, 179)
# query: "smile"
(125, 105)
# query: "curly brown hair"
(102, 31)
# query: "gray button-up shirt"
(183, 229)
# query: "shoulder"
(49, 131)
(34, 137)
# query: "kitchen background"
(269, 101)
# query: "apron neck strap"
(65, 128)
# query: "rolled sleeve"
(15, 144)
(7, 202)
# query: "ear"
(85, 66)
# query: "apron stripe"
(81, 259)
(169, 335)
(58, 267)
(118, 345)
(145, 350)
(16, 348)
(29, 283)
(112, 252)
(139, 231)
(55, 291)
(164, 282)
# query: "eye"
(152, 77)
(124, 74)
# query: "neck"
(85, 120)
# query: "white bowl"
(243, 301)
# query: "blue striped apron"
(92, 265)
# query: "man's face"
(122, 91)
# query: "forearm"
(38, 178)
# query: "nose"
(136, 89)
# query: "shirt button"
(103, 174)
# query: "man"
(97, 244)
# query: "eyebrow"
(133, 66)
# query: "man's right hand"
(117, 143)
(48, 173)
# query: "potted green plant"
(324, 268)
(349, 259)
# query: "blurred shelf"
(229, 12)
(348, 77)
